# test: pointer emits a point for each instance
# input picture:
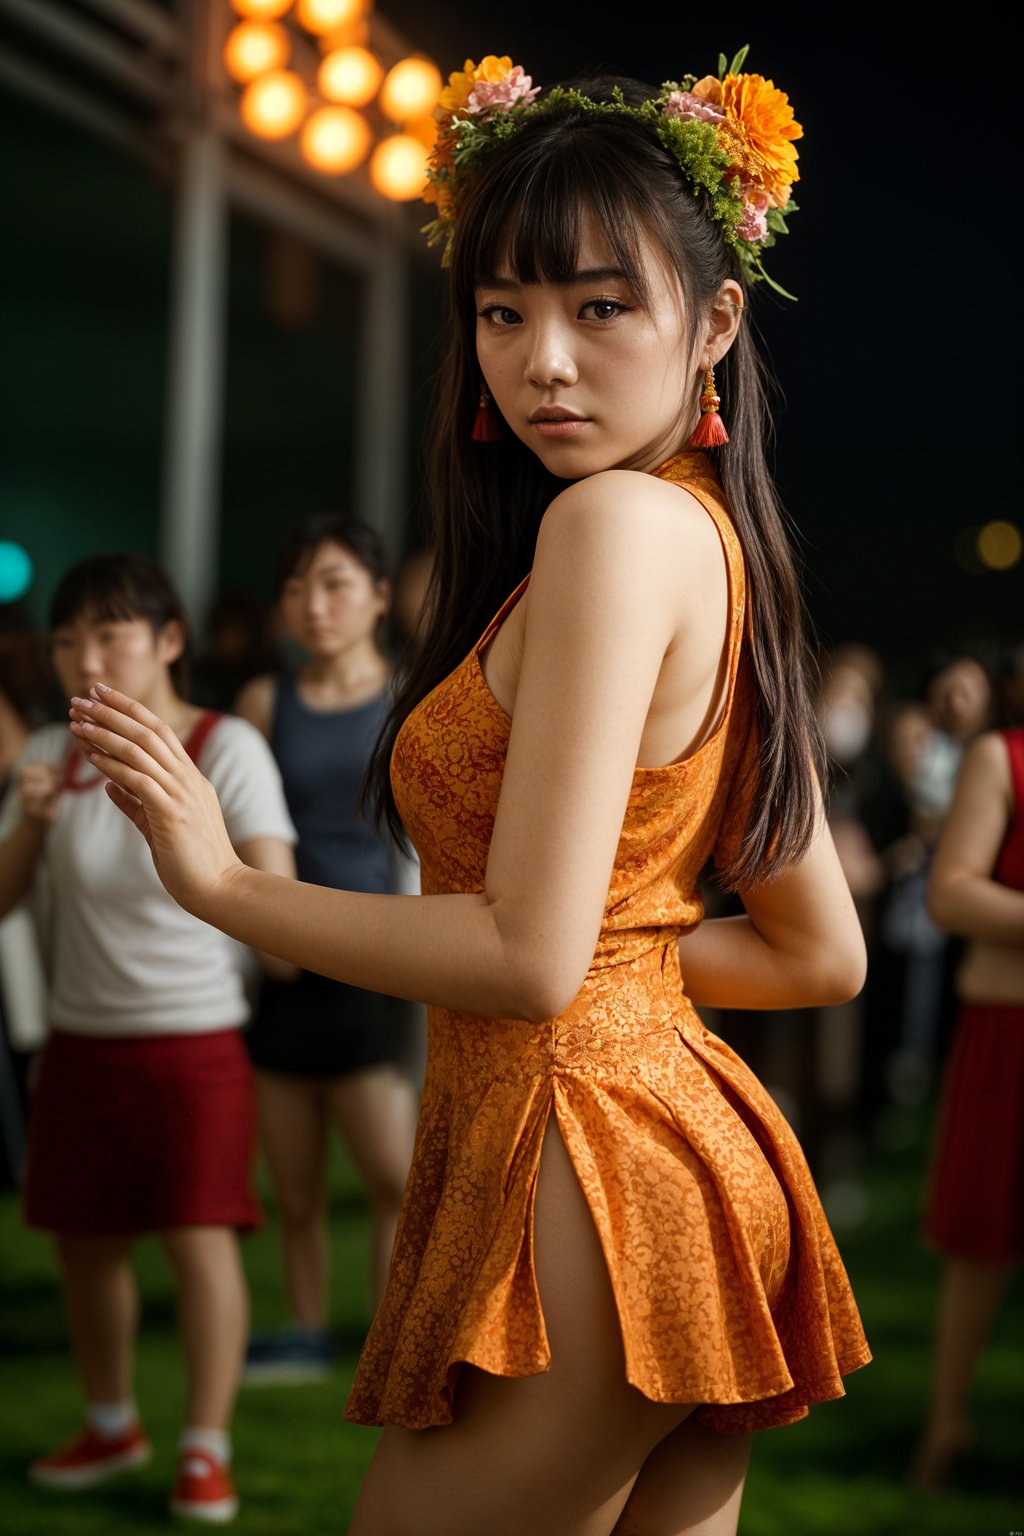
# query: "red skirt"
(141, 1135)
(975, 1207)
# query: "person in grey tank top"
(325, 1052)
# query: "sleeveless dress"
(975, 1205)
(729, 1288)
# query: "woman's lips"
(567, 426)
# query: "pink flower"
(754, 223)
(501, 95)
(756, 196)
(692, 109)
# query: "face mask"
(846, 727)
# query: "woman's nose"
(550, 359)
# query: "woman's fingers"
(128, 718)
(142, 786)
(104, 746)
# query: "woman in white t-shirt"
(143, 1119)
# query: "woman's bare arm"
(800, 944)
(274, 857)
(963, 897)
(22, 848)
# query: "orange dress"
(729, 1288)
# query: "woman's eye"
(499, 315)
(603, 309)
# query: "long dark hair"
(124, 587)
(527, 209)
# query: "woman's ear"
(170, 642)
(724, 318)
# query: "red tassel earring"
(710, 430)
(485, 424)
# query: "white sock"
(214, 1442)
(111, 1420)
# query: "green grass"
(838, 1473)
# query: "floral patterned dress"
(729, 1288)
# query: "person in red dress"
(975, 1207)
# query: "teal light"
(15, 571)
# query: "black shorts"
(315, 1027)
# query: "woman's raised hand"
(158, 787)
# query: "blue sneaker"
(289, 1357)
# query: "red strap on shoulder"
(200, 733)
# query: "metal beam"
(92, 45)
(193, 439)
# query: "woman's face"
(333, 603)
(584, 376)
(125, 653)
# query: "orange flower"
(461, 82)
(758, 133)
(709, 89)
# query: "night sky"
(897, 365)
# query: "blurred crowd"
(310, 674)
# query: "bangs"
(103, 596)
(116, 588)
(531, 218)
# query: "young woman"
(144, 1117)
(975, 1216)
(322, 1050)
(611, 1265)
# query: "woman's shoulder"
(255, 702)
(619, 508)
(651, 533)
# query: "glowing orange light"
(321, 16)
(410, 90)
(351, 75)
(253, 47)
(424, 129)
(357, 31)
(398, 167)
(1000, 545)
(274, 105)
(335, 139)
(265, 10)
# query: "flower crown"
(731, 135)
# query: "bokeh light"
(411, 90)
(398, 167)
(350, 75)
(424, 129)
(322, 16)
(253, 47)
(335, 139)
(274, 105)
(1000, 545)
(264, 10)
(16, 571)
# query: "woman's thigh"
(375, 1112)
(690, 1485)
(293, 1129)
(548, 1455)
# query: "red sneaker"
(204, 1490)
(90, 1458)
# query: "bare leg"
(553, 1455)
(690, 1485)
(103, 1313)
(375, 1112)
(213, 1306)
(969, 1300)
(293, 1128)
